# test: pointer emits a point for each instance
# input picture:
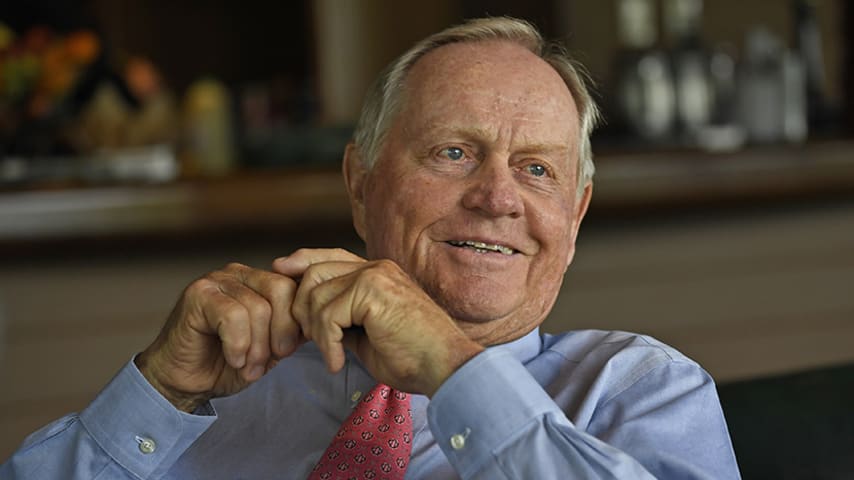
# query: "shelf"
(249, 200)
(675, 179)
(293, 198)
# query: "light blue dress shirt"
(582, 405)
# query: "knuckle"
(299, 309)
(235, 338)
(258, 353)
(320, 313)
(237, 344)
(200, 286)
(382, 271)
(314, 299)
(339, 252)
(232, 313)
(215, 277)
(279, 284)
(285, 329)
(259, 310)
(312, 273)
(386, 265)
(234, 266)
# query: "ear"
(578, 215)
(354, 179)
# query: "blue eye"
(536, 170)
(454, 153)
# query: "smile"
(481, 247)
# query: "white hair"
(384, 98)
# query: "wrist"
(457, 356)
(184, 401)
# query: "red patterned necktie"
(373, 443)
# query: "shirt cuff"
(482, 406)
(137, 427)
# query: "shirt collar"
(525, 348)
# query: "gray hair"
(384, 98)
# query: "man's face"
(474, 191)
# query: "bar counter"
(290, 199)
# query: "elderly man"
(469, 175)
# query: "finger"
(337, 325)
(259, 351)
(295, 264)
(229, 319)
(331, 322)
(308, 299)
(285, 334)
(331, 346)
(258, 317)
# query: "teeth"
(483, 247)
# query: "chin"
(489, 326)
(475, 307)
(475, 315)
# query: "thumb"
(289, 267)
(294, 265)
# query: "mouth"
(481, 247)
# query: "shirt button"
(458, 441)
(146, 445)
(356, 396)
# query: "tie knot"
(382, 393)
(374, 442)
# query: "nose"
(493, 190)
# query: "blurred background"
(146, 142)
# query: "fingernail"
(256, 372)
(236, 361)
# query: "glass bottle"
(690, 62)
(644, 85)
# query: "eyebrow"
(483, 135)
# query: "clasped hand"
(233, 325)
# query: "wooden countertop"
(291, 198)
(675, 179)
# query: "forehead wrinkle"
(514, 140)
(489, 121)
(444, 88)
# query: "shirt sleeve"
(128, 431)
(494, 421)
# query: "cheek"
(553, 230)
(382, 219)
(554, 223)
(398, 213)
